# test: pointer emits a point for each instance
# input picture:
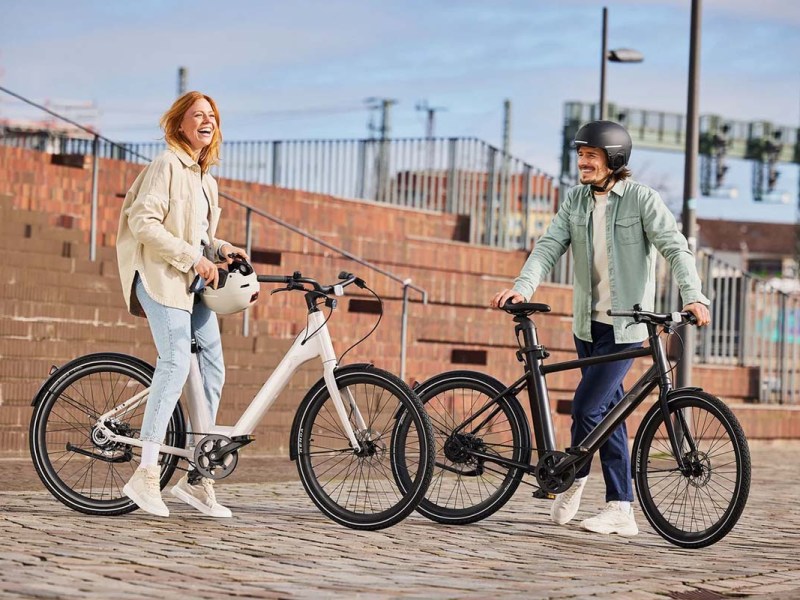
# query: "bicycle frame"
(303, 349)
(532, 354)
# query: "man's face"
(592, 165)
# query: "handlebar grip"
(273, 279)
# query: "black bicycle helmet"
(611, 137)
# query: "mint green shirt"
(637, 223)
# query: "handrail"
(406, 283)
(322, 242)
(71, 122)
(95, 164)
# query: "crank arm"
(236, 443)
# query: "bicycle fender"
(678, 391)
(309, 396)
(57, 372)
(423, 387)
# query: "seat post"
(532, 354)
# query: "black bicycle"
(691, 461)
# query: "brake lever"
(290, 287)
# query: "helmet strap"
(602, 189)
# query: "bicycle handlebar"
(296, 281)
(643, 316)
(293, 282)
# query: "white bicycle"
(85, 426)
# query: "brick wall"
(45, 227)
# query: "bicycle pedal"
(542, 495)
(577, 450)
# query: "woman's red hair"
(171, 124)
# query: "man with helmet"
(612, 225)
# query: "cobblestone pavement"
(279, 546)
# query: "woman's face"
(199, 124)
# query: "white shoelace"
(613, 507)
(571, 492)
(208, 488)
(152, 481)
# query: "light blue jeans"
(172, 330)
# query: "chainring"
(548, 477)
(207, 459)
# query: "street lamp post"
(683, 374)
(620, 55)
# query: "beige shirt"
(159, 236)
(601, 284)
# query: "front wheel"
(697, 506)
(357, 488)
(76, 464)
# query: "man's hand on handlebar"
(500, 298)
(208, 271)
(700, 311)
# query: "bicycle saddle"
(525, 308)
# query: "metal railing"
(406, 283)
(101, 147)
(506, 201)
(753, 324)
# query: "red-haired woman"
(166, 237)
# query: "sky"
(303, 69)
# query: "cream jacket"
(158, 235)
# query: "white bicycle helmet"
(236, 290)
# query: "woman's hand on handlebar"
(700, 312)
(208, 271)
(500, 298)
(229, 251)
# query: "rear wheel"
(357, 488)
(76, 464)
(698, 506)
(468, 485)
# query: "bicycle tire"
(359, 492)
(466, 490)
(680, 506)
(66, 408)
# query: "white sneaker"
(566, 505)
(612, 519)
(144, 489)
(201, 496)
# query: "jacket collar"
(618, 188)
(184, 157)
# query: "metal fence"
(506, 202)
(753, 324)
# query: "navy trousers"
(598, 392)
